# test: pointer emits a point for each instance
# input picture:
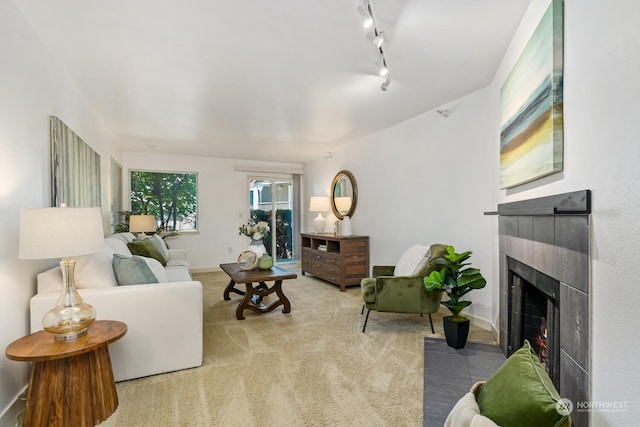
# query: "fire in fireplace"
(535, 315)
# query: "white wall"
(223, 202)
(398, 169)
(32, 87)
(426, 180)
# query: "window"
(170, 196)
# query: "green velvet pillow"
(521, 394)
(132, 270)
(146, 248)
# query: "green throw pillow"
(146, 248)
(132, 270)
(521, 394)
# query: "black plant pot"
(456, 332)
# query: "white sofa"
(164, 320)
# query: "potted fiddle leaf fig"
(456, 278)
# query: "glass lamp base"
(71, 317)
(69, 323)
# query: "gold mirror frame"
(344, 185)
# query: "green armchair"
(385, 292)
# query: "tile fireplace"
(544, 287)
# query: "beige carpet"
(310, 367)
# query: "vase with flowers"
(256, 231)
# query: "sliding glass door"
(272, 200)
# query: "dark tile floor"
(450, 373)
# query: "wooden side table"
(71, 382)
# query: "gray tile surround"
(558, 246)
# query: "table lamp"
(63, 233)
(141, 224)
(319, 204)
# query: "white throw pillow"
(157, 269)
(466, 413)
(118, 245)
(161, 245)
(95, 271)
(412, 260)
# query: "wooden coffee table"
(71, 382)
(253, 295)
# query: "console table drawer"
(326, 258)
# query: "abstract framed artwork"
(75, 169)
(531, 123)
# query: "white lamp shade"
(60, 232)
(319, 204)
(142, 223)
(343, 204)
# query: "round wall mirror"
(344, 194)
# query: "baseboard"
(476, 321)
(13, 415)
(206, 270)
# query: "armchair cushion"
(412, 260)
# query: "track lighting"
(381, 66)
(365, 14)
(377, 39)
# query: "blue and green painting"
(531, 106)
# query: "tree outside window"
(170, 196)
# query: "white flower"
(256, 231)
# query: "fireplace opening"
(534, 307)
(534, 320)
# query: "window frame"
(170, 172)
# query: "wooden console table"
(342, 260)
(71, 382)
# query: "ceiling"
(280, 80)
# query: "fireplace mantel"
(574, 203)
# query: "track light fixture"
(365, 14)
(381, 66)
(377, 39)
